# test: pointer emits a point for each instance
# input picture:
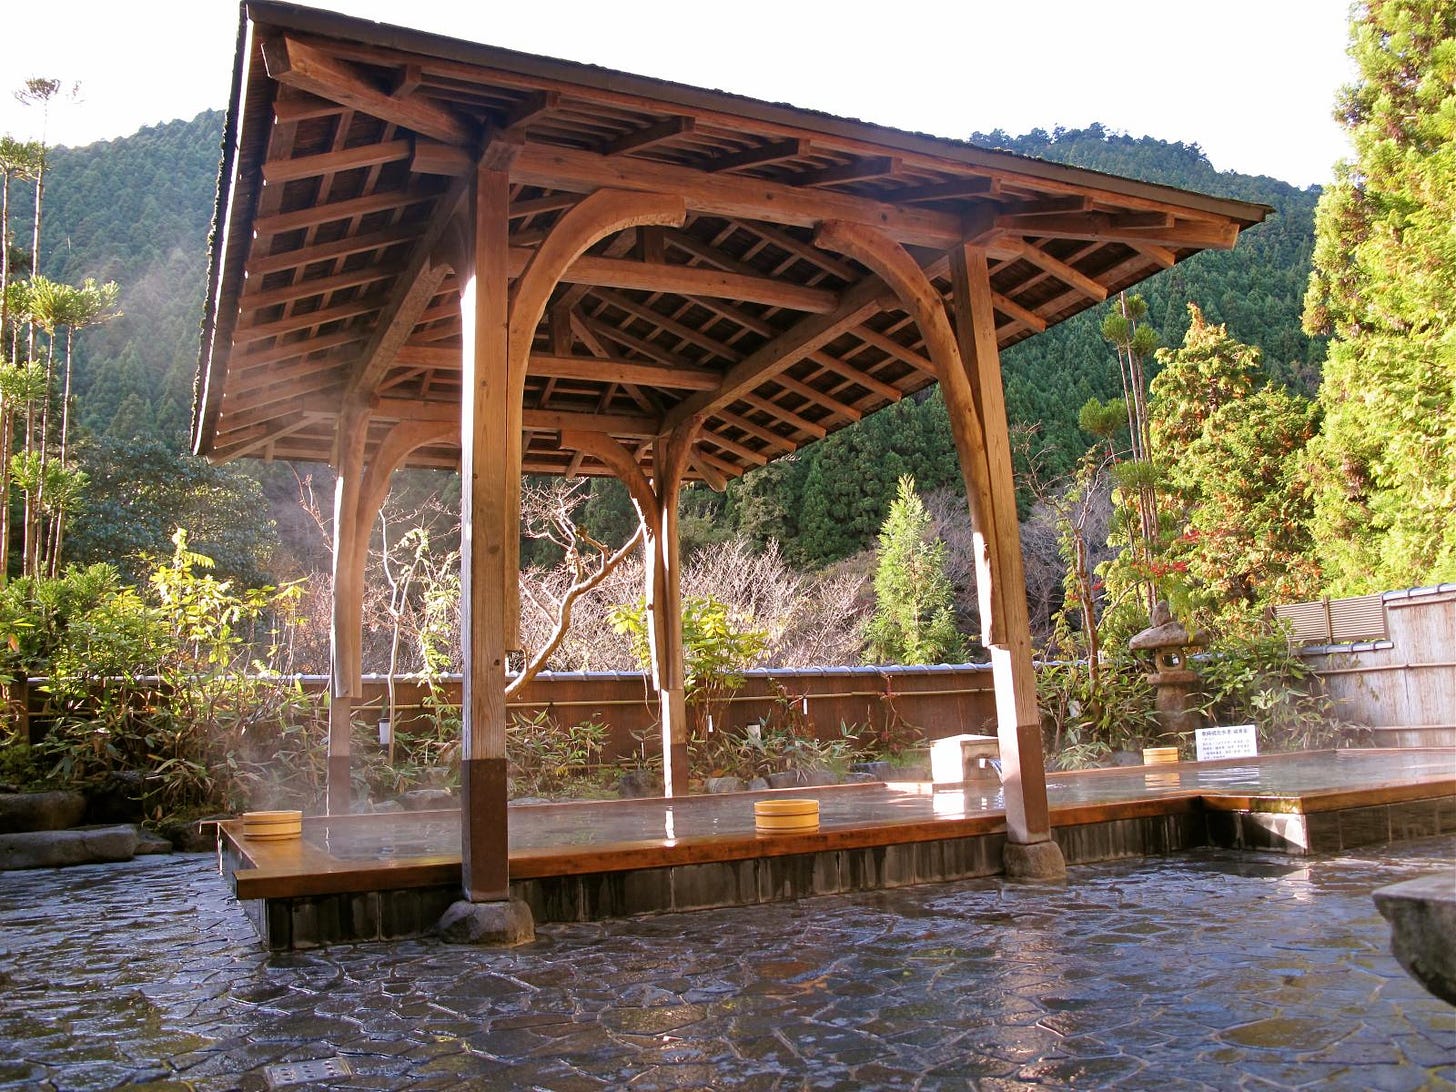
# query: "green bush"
(1259, 680)
(1083, 721)
(549, 760)
(178, 682)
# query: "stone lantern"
(1170, 643)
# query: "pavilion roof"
(350, 144)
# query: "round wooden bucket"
(1153, 756)
(272, 826)
(793, 816)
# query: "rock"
(117, 798)
(428, 800)
(1034, 861)
(27, 811)
(1125, 758)
(758, 784)
(878, 770)
(149, 842)
(190, 835)
(386, 806)
(724, 784)
(58, 848)
(1172, 635)
(635, 784)
(792, 779)
(1422, 916)
(501, 924)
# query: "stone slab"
(1422, 916)
(59, 848)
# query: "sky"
(1252, 82)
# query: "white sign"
(1235, 741)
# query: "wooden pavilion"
(434, 253)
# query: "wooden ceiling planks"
(351, 146)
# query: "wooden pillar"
(968, 365)
(485, 471)
(664, 607)
(999, 574)
(346, 626)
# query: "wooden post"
(968, 364)
(485, 469)
(999, 574)
(346, 629)
(664, 607)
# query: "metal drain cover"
(320, 1069)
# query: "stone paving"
(1212, 969)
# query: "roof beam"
(690, 280)
(865, 167)
(803, 390)
(738, 198)
(1147, 227)
(1013, 310)
(1073, 278)
(641, 139)
(248, 334)
(309, 166)
(762, 156)
(561, 366)
(415, 287)
(895, 349)
(296, 64)
(313, 215)
(317, 286)
(531, 108)
(328, 252)
(769, 360)
(787, 416)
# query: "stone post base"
(495, 924)
(1036, 861)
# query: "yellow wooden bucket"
(272, 826)
(790, 816)
(1153, 756)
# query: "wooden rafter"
(300, 65)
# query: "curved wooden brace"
(600, 214)
(621, 463)
(894, 265)
(398, 443)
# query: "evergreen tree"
(1231, 447)
(1384, 285)
(914, 620)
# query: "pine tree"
(1384, 285)
(914, 620)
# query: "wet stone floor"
(1211, 969)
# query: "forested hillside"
(137, 211)
(834, 496)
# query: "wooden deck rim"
(292, 869)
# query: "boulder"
(428, 800)
(635, 784)
(27, 811)
(58, 848)
(723, 784)
(116, 798)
